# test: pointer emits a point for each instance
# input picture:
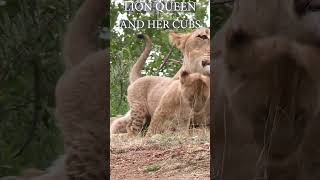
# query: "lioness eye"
(203, 37)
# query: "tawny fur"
(81, 108)
(266, 96)
(195, 47)
(181, 104)
(119, 124)
(81, 96)
(135, 72)
(143, 97)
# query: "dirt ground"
(166, 156)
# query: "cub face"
(195, 87)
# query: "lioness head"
(195, 88)
(295, 19)
(195, 47)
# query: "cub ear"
(206, 80)
(183, 76)
(178, 39)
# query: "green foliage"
(126, 48)
(153, 168)
(219, 14)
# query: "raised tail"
(81, 36)
(135, 72)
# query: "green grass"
(153, 168)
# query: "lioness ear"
(178, 39)
(183, 76)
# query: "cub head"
(195, 87)
(195, 47)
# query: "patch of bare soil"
(166, 156)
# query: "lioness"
(266, 95)
(195, 47)
(182, 104)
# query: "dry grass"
(162, 156)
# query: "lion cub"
(185, 100)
